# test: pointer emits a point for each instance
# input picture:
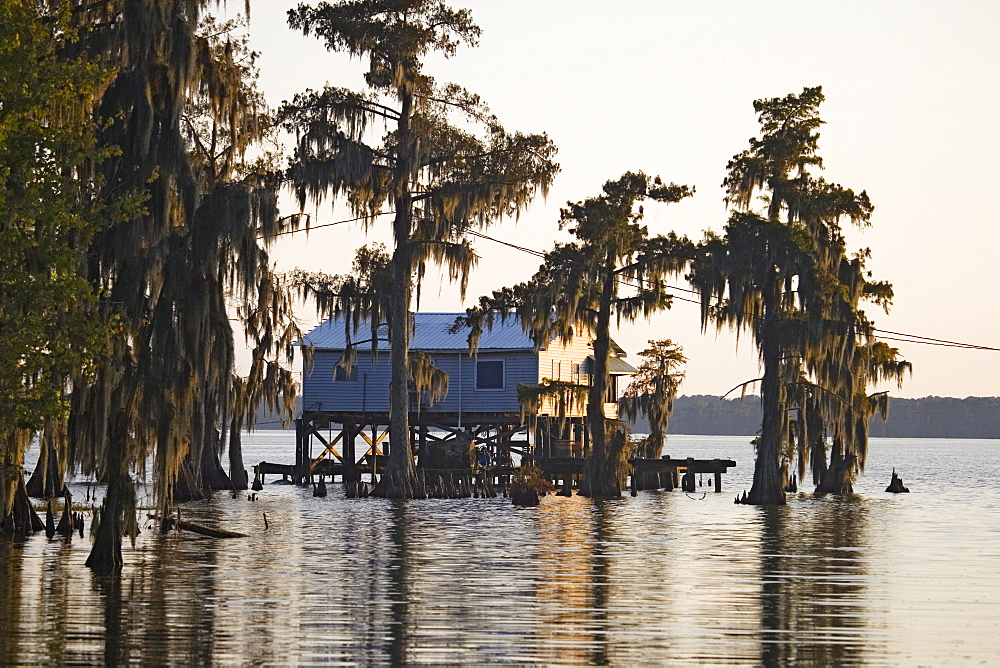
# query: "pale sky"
(912, 88)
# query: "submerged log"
(896, 485)
(171, 522)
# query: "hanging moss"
(784, 275)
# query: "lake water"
(664, 577)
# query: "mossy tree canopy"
(784, 274)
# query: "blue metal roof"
(431, 334)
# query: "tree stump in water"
(66, 523)
(793, 484)
(896, 485)
(524, 496)
(838, 476)
(687, 482)
(23, 519)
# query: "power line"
(929, 341)
(310, 228)
(909, 338)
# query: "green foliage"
(176, 119)
(577, 280)
(49, 330)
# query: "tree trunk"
(767, 485)
(837, 479)
(11, 469)
(46, 480)
(21, 519)
(187, 487)
(237, 470)
(106, 554)
(400, 478)
(213, 476)
(604, 469)
(818, 458)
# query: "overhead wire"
(910, 338)
(893, 335)
(310, 228)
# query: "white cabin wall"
(564, 362)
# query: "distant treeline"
(928, 417)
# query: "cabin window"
(489, 375)
(341, 374)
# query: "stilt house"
(481, 404)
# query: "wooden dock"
(665, 472)
(678, 472)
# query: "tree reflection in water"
(10, 597)
(657, 579)
(814, 583)
(398, 577)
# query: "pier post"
(421, 444)
(301, 457)
(687, 482)
(351, 453)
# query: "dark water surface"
(665, 577)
